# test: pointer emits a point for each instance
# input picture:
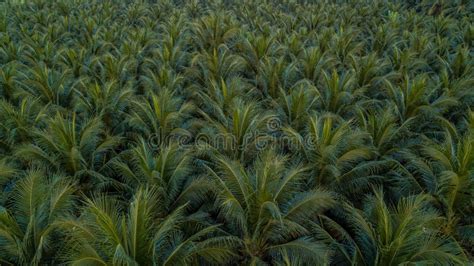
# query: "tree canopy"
(236, 132)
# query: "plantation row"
(236, 132)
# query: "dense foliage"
(236, 132)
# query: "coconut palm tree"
(45, 83)
(276, 73)
(339, 156)
(160, 115)
(111, 232)
(108, 101)
(413, 98)
(237, 134)
(217, 99)
(168, 170)
(219, 63)
(9, 80)
(255, 48)
(339, 94)
(19, 120)
(212, 31)
(296, 104)
(267, 207)
(78, 148)
(30, 218)
(451, 165)
(313, 62)
(407, 232)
